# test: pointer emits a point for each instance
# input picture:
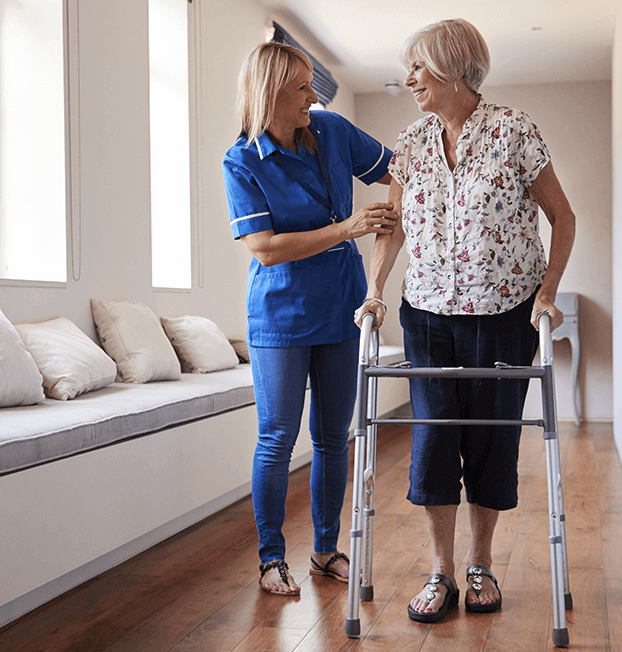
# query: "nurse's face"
(291, 110)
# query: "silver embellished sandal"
(451, 599)
(477, 571)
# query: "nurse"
(289, 190)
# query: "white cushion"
(133, 337)
(20, 380)
(201, 346)
(70, 362)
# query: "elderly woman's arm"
(548, 192)
(386, 249)
(272, 249)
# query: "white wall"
(617, 230)
(575, 122)
(114, 169)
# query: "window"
(33, 186)
(170, 144)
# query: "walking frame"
(362, 533)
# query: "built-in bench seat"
(53, 430)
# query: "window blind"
(323, 84)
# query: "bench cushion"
(56, 429)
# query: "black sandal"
(451, 599)
(476, 571)
(281, 566)
(318, 569)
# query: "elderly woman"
(469, 178)
(289, 189)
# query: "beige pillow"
(241, 348)
(70, 362)
(201, 346)
(133, 337)
(20, 381)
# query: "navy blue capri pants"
(484, 457)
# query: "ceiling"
(530, 41)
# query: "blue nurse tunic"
(310, 301)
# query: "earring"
(455, 85)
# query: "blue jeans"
(485, 457)
(280, 376)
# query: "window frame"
(71, 93)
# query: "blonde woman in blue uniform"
(289, 183)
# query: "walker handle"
(365, 318)
(546, 341)
(544, 323)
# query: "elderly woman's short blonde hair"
(266, 71)
(449, 49)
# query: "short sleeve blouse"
(471, 234)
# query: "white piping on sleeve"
(248, 217)
(375, 165)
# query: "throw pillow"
(133, 337)
(20, 380)
(201, 346)
(70, 362)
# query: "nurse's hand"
(377, 218)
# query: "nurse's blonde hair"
(449, 49)
(266, 71)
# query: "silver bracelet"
(380, 301)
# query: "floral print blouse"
(471, 234)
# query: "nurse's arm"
(385, 251)
(272, 249)
(386, 179)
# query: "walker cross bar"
(360, 586)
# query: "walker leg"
(353, 624)
(367, 587)
(556, 541)
(557, 528)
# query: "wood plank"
(522, 622)
(271, 639)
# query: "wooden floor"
(198, 591)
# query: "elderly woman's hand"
(544, 304)
(376, 307)
(376, 218)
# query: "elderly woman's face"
(293, 102)
(430, 93)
